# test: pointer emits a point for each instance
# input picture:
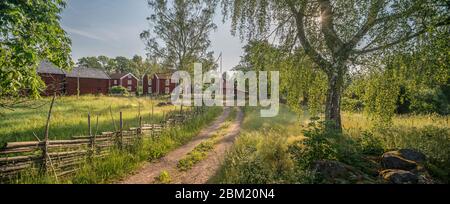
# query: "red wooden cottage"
(53, 77)
(158, 84)
(88, 81)
(129, 81)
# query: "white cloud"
(83, 33)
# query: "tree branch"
(404, 39)
(301, 34)
(375, 8)
(334, 43)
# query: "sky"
(112, 28)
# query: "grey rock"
(412, 155)
(390, 160)
(398, 176)
(337, 172)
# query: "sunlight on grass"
(120, 163)
(69, 117)
(287, 122)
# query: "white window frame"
(150, 90)
(167, 82)
(129, 88)
(115, 82)
(167, 90)
(130, 82)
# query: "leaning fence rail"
(63, 157)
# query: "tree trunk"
(333, 102)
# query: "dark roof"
(163, 75)
(91, 73)
(121, 75)
(46, 67)
(118, 75)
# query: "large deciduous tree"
(91, 62)
(338, 35)
(30, 31)
(179, 33)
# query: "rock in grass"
(337, 172)
(398, 176)
(161, 104)
(390, 160)
(412, 155)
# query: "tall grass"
(429, 134)
(260, 154)
(273, 150)
(119, 163)
(69, 117)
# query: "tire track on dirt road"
(201, 171)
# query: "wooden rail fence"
(63, 157)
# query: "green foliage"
(196, 155)
(352, 105)
(91, 62)
(69, 116)
(333, 41)
(320, 144)
(120, 90)
(164, 178)
(260, 154)
(258, 159)
(115, 165)
(121, 162)
(430, 140)
(201, 151)
(179, 35)
(381, 96)
(398, 88)
(353, 97)
(177, 136)
(302, 84)
(428, 101)
(370, 144)
(30, 31)
(136, 65)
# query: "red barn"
(158, 84)
(88, 80)
(129, 81)
(53, 77)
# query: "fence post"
(151, 122)
(121, 132)
(140, 126)
(91, 144)
(45, 157)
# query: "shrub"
(426, 101)
(320, 144)
(195, 156)
(430, 140)
(352, 105)
(119, 90)
(370, 144)
(258, 159)
(164, 178)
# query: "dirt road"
(202, 171)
